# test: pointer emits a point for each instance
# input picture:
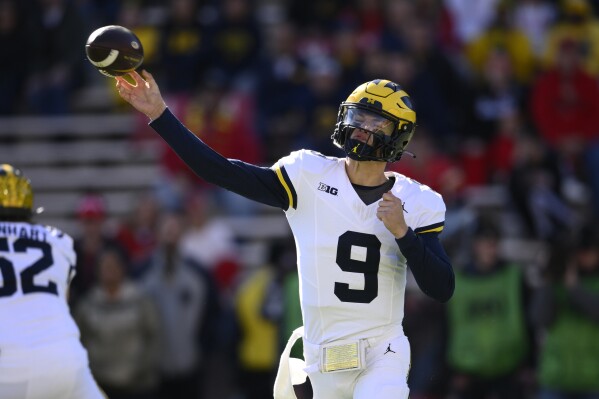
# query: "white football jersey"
(352, 273)
(37, 264)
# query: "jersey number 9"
(369, 266)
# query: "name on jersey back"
(33, 232)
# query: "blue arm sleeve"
(429, 263)
(257, 183)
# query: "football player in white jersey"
(41, 356)
(356, 228)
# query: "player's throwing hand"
(144, 95)
(390, 212)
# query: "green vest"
(569, 359)
(487, 330)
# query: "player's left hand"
(391, 213)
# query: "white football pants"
(384, 376)
(59, 372)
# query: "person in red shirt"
(565, 103)
(565, 109)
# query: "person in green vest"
(566, 310)
(488, 348)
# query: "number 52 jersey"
(352, 273)
(36, 266)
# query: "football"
(114, 50)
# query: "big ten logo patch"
(327, 189)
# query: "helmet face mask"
(375, 123)
(16, 195)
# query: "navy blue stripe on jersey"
(429, 264)
(431, 228)
(286, 182)
(257, 183)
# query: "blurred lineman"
(41, 356)
(354, 237)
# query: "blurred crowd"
(507, 97)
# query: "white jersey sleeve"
(424, 208)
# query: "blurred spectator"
(268, 309)
(321, 105)
(134, 16)
(503, 36)
(347, 51)
(565, 106)
(397, 15)
(235, 42)
(259, 308)
(120, 329)
(366, 19)
(223, 118)
(57, 38)
(374, 62)
(308, 15)
(576, 24)
(208, 240)
(99, 12)
(432, 12)
(535, 186)
(500, 151)
(566, 312)
(91, 240)
(497, 94)
(489, 335)
(15, 54)
(183, 52)
(491, 163)
(469, 19)
(438, 67)
(137, 232)
(187, 303)
(534, 18)
(425, 326)
(428, 101)
(281, 75)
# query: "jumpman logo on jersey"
(388, 350)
